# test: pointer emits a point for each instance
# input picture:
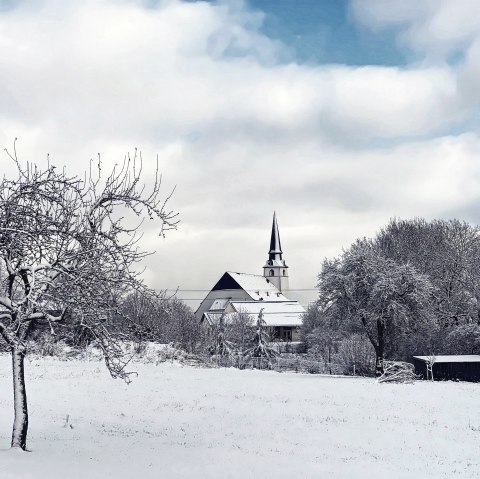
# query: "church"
(250, 293)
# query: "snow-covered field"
(183, 422)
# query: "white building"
(249, 293)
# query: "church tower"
(275, 269)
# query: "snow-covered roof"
(258, 287)
(275, 313)
(459, 358)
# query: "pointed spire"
(275, 246)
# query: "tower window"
(270, 273)
(284, 274)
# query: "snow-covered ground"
(183, 422)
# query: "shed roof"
(459, 358)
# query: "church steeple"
(275, 246)
(275, 269)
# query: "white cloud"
(434, 27)
(238, 131)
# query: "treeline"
(413, 289)
(135, 317)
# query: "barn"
(464, 367)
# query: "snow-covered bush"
(48, 345)
(356, 356)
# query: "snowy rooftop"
(258, 287)
(460, 358)
(275, 313)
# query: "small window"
(270, 273)
(284, 273)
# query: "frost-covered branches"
(67, 250)
(221, 346)
(397, 372)
(261, 341)
(365, 287)
(64, 243)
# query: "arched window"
(284, 273)
(270, 273)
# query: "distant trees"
(236, 334)
(65, 251)
(160, 318)
(448, 252)
(413, 289)
(464, 339)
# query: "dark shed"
(463, 367)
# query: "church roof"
(275, 313)
(256, 286)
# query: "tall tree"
(376, 292)
(448, 251)
(65, 247)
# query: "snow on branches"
(67, 250)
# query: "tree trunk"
(20, 423)
(378, 363)
(380, 349)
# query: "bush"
(48, 345)
(356, 355)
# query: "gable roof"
(257, 287)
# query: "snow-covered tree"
(464, 339)
(449, 253)
(260, 347)
(65, 250)
(221, 346)
(378, 293)
(239, 330)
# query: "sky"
(338, 115)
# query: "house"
(250, 293)
(463, 367)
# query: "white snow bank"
(226, 423)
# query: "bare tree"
(65, 247)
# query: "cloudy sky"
(337, 114)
